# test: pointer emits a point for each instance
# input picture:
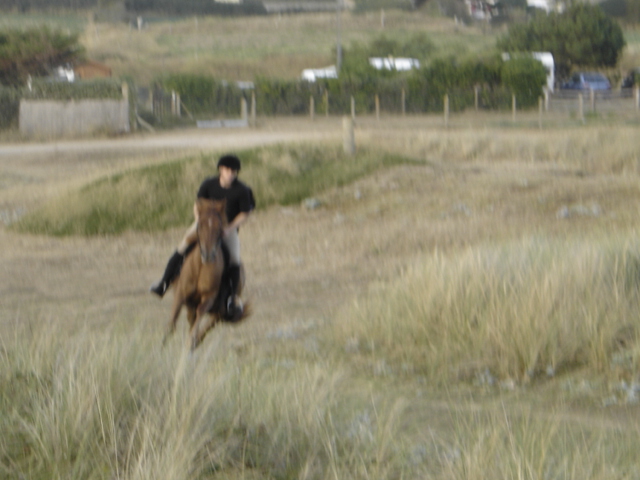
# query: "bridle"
(205, 255)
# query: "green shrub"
(9, 107)
(524, 76)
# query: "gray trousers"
(231, 242)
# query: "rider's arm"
(239, 220)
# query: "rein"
(210, 256)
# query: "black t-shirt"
(239, 196)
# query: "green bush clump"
(9, 107)
(524, 76)
(159, 197)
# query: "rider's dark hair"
(229, 161)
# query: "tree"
(627, 10)
(35, 52)
(582, 36)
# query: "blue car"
(587, 81)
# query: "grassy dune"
(156, 198)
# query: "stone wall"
(73, 118)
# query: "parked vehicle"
(587, 81)
(632, 79)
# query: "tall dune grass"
(503, 444)
(116, 405)
(519, 310)
(113, 404)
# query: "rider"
(240, 203)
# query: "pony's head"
(211, 223)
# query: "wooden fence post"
(253, 108)
(243, 109)
(353, 107)
(592, 97)
(475, 96)
(326, 103)
(403, 102)
(348, 136)
(446, 110)
(513, 107)
(546, 100)
(636, 93)
(540, 104)
(312, 108)
(581, 107)
(377, 99)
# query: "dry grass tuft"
(509, 311)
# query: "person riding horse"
(239, 204)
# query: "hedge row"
(423, 90)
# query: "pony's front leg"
(196, 336)
(191, 316)
(175, 313)
(207, 325)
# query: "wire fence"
(574, 103)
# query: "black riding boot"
(170, 273)
(234, 282)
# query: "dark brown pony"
(199, 285)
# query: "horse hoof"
(235, 309)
